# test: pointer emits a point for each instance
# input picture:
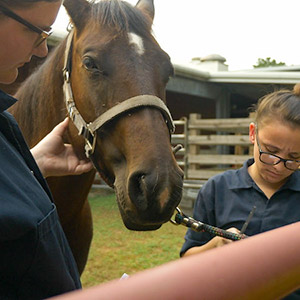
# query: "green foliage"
(268, 62)
(116, 250)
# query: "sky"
(239, 30)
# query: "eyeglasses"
(272, 159)
(43, 35)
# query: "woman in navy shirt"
(35, 259)
(270, 181)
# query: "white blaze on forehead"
(137, 41)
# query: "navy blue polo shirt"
(226, 200)
(35, 259)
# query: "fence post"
(186, 145)
(192, 149)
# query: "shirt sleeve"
(203, 212)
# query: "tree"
(268, 62)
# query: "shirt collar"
(293, 183)
(242, 179)
(6, 101)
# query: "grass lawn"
(116, 250)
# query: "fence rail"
(211, 146)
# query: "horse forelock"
(120, 16)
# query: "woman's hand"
(215, 242)
(220, 241)
(55, 158)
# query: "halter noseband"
(88, 130)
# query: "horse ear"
(78, 11)
(147, 7)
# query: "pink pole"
(265, 266)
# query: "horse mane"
(121, 16)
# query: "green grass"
(116, 250)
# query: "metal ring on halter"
(176, 148)
(179, 212)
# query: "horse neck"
(41, 105)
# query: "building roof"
(279, 76)
(195, 80)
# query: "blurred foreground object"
(265, 266)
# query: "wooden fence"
(210, 146)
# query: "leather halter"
(88, 130)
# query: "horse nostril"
(137, 189)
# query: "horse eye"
(89, 64)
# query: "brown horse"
(113, 57)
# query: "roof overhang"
(276, 77)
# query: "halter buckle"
(90, 140)
(66, 75)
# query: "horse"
(109, 77)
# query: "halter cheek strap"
(88, 130)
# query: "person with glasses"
(270, 181)
(35, 259)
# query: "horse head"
(114, 57)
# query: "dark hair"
(22, 3)
(283, 105)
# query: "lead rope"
(182, 219)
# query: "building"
(205, 86)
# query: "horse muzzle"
(149, 199)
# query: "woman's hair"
(283, 105)
(22, 3)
